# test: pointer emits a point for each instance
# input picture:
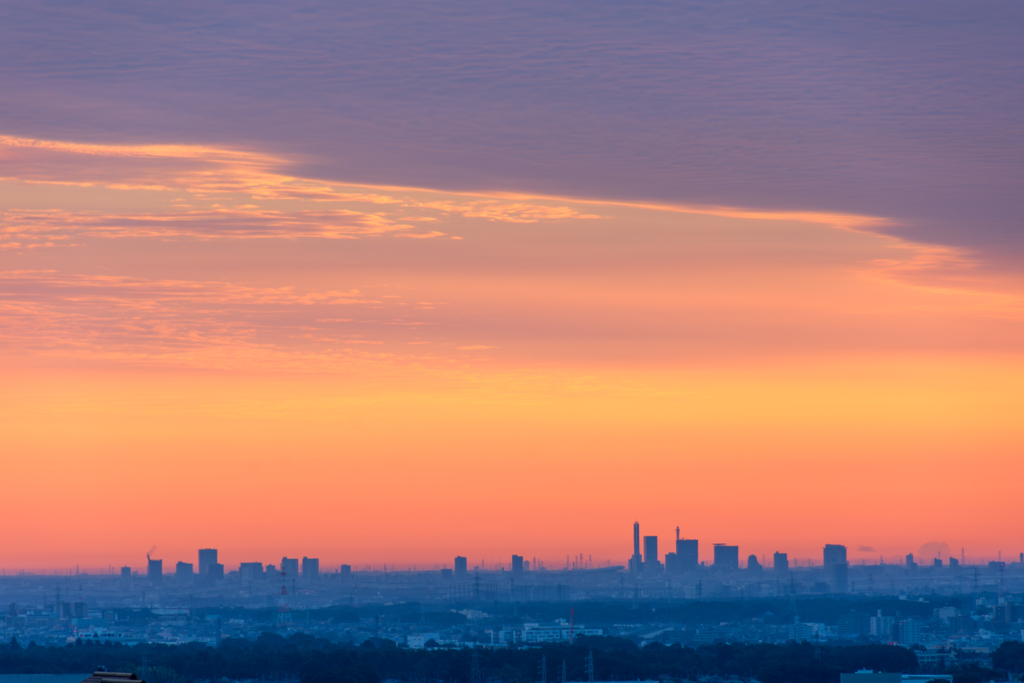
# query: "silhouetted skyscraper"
(126, 572)
(636, 563)
(207, 556)
(727, 556)
(346, 570)
(833, 554)
(155, 570)
(686, 554)
(780, 562)
(183, 570)
(310, 568)
(215, 571)
(753, 564)
(517, 566)
(290, 566)
(460, 567)
(651, 561)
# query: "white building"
(419, 640)
(546, 633)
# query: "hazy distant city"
(936, 605)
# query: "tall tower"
(636, 564)
(284, 612)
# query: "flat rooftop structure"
(867, 676)
(111, 677)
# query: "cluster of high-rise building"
(210, 569)
(685, 557)
(727, 558)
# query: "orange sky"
(275, 365)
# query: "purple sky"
(911, 110)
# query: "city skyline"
(924, 555)
(399, 282)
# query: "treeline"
(315, 660)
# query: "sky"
(396, 282)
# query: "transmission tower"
(284, 613)
(474, 673)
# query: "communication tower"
(284, 613)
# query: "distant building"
(672, 563)
(446, 574)
(63, 611)
(290, 566)
(651, 561)
(540, 633)
(686, 554)
(517, 566)
(780, 562)
(833, 554)
(839, 575)
(155, 570)
(953, 562)
(1007, 613)
(207, 556)
(310, 567)
(937, 562)
(460, 567)
(881, 627)
(854, 624)
(418, 640)
(250, 571)
(126, 572)
(346, 570)
(183, 570)
(215, 571)
(753, 565)
(910, 561)
(636, 563)
(727, 556)
(800, 631)
(909, 632)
